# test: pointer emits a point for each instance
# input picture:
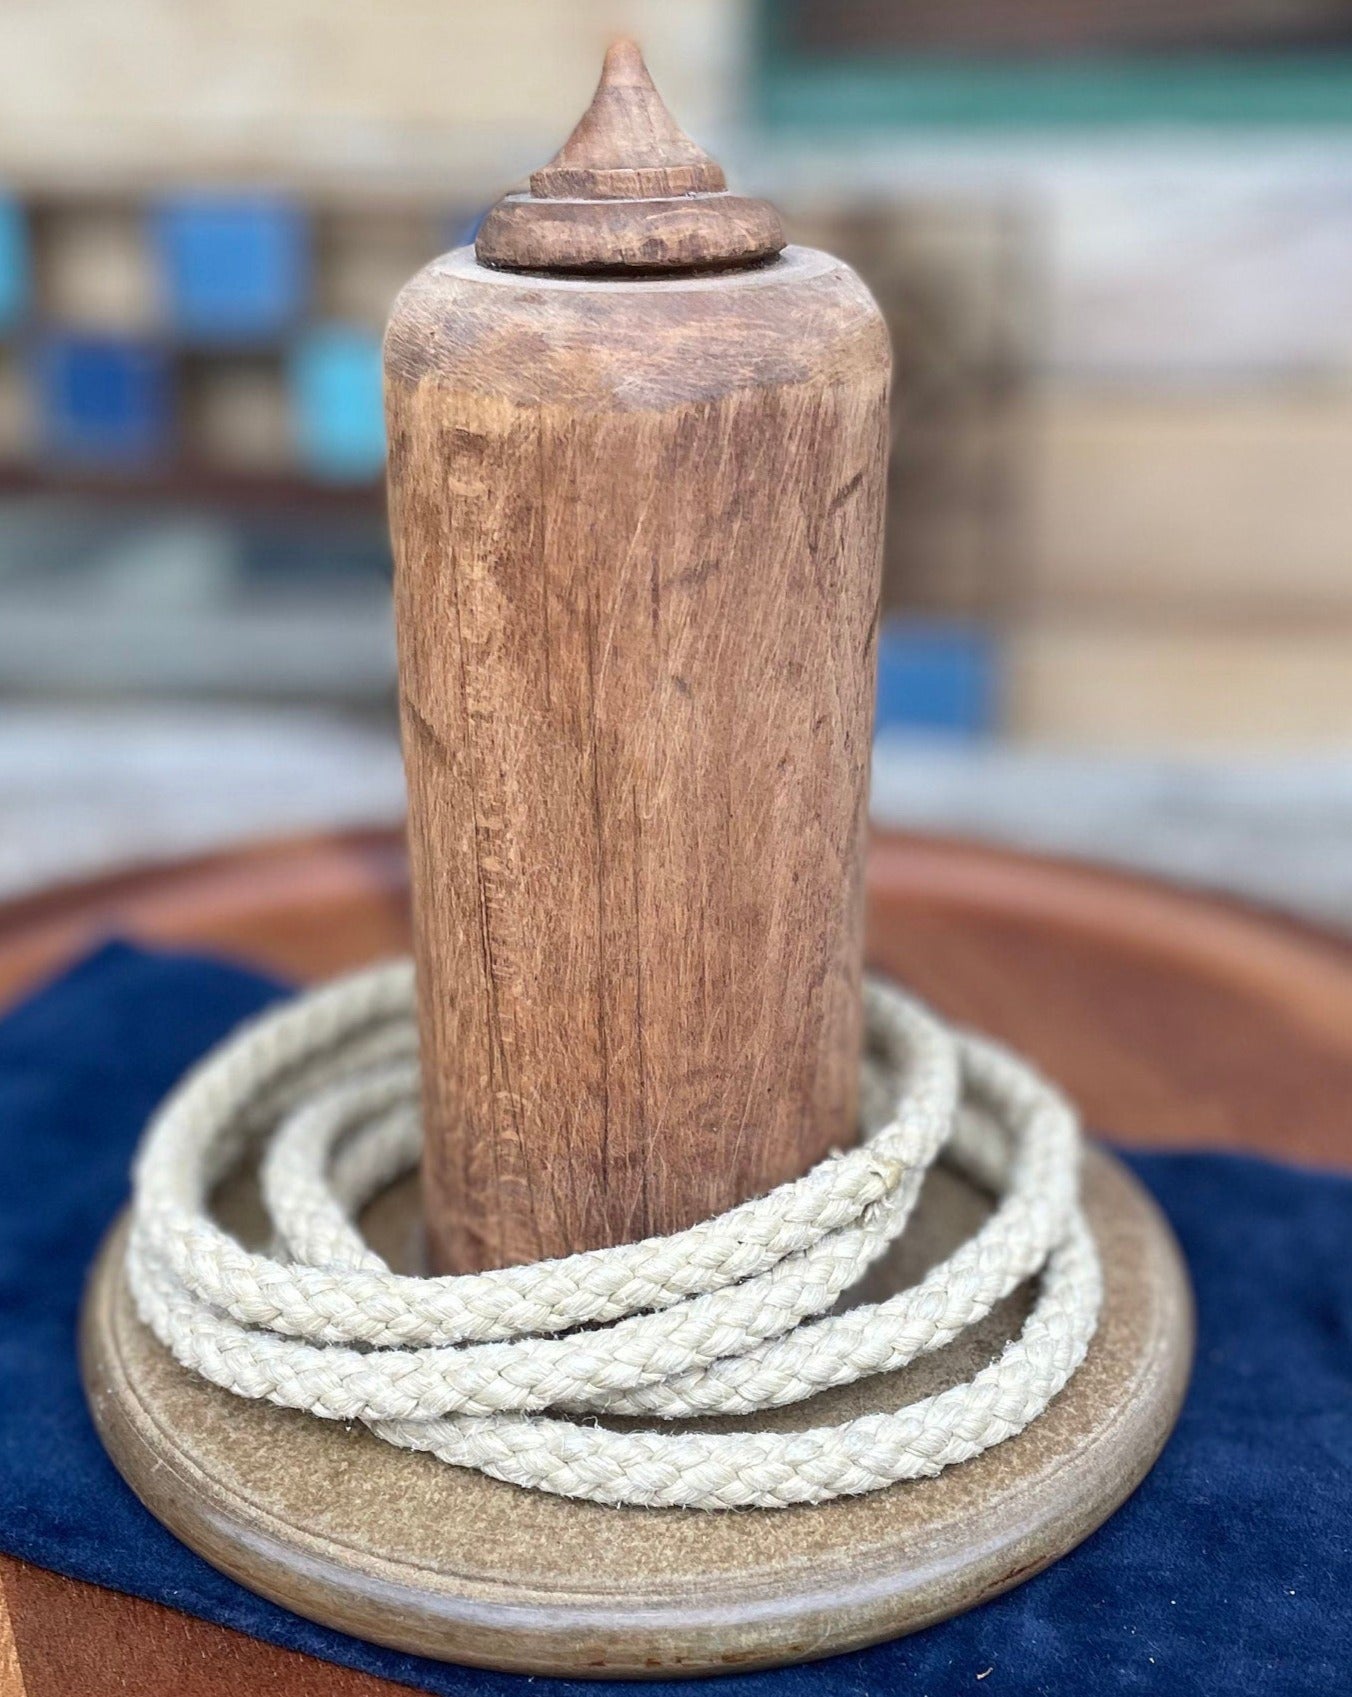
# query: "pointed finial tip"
(624, 63)
(627, 150)
(627, 143)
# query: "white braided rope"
(506, 1371)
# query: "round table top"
(1174, 1018)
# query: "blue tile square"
(937, 675)
(337, 402)
(233, 268)
(15, 264)
(103, 401)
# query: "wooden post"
(636, 482)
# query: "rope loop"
(517, 1371)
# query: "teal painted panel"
(15, 264)
(971, 92)
(977, 95)
(336, 399)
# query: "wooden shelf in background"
(189, 485)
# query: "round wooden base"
(397, 1548)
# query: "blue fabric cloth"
(1230, 1570)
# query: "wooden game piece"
(636, 512)
(637, 528)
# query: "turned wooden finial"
(628, 191)
(627, 145)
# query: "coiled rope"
(506, 1371)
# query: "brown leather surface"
(74, 1640)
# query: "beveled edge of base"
(791, 1615)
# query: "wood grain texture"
(606, 236)
(637, 531)
(628, 191)
(1072, 962)
(627, 145)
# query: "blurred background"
(1113, 241)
